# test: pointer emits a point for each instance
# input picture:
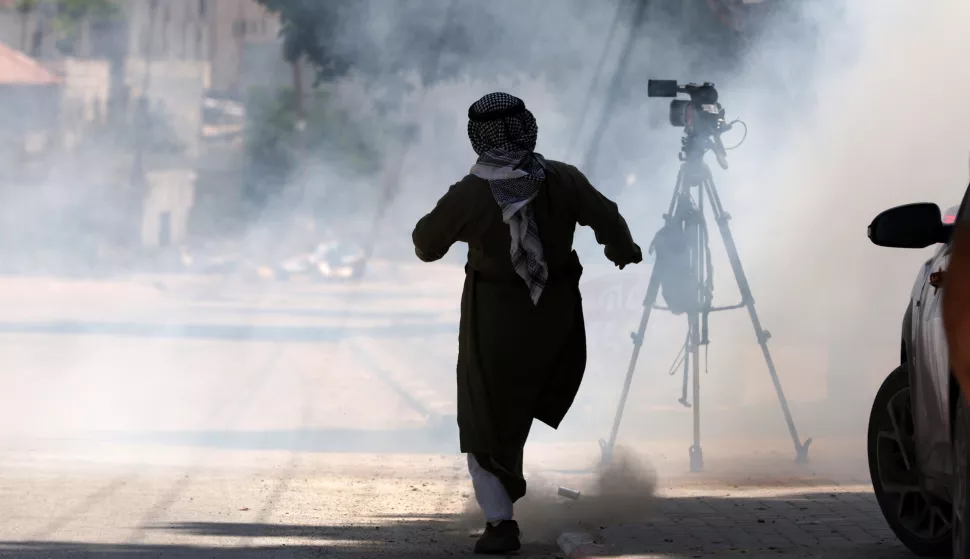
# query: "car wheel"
(918, 523)
(961, 479)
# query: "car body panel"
(927, 355)
(930, 384)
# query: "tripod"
(687, 213)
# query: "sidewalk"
(835, 521)
(748, 504)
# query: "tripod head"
(701, 117)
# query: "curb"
(579, 545)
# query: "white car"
(919, 426)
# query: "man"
(956, 299)
(521, 340)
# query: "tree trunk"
(298, 90)
(83, 48)
(299, 107)
(23, 31)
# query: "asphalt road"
(174, 418)
(200, 419)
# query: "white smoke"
(870, 115)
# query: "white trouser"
(490, 493)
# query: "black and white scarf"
(503, 134)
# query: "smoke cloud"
(850, 108)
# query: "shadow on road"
(807, 524)
(400, 538)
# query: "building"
(167, 29)
(214, 31)
(235, 26)
(188, 64)
(29, 102)
(192, 56)
(39, 33)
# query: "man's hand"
(622, 258)
(425, 257)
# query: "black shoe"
(499, 540)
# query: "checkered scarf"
(503, 133)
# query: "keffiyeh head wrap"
(503, 134)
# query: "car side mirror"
(910, 226)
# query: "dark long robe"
(518, 361)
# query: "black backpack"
(674, 263)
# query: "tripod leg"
(683, 392)
(696, 454)
(606, 447)
(698, 232)
(722, 218)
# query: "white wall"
(171, 191)
(87, 84)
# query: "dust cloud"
(620, 492)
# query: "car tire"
(918, 523)
(961, 479)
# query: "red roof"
(16, 68)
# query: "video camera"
(702, 114)
(702, 117)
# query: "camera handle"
(719, 152)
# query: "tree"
(68, 14)
(274, 148)
(338, 36)
(76, 10)
(71, 14)
(283, 125)
(305, 26)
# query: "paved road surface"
(111, 500)
(800, 520)
(216, 504)
(212, 420)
